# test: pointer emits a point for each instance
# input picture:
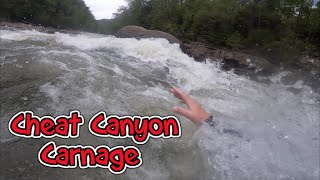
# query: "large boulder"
(140, 33)
(201, 52)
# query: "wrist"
(211, 121)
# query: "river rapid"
(265, 131)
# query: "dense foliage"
(70, 14)
(279, 29)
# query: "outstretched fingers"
(194, 112)
(181, 95)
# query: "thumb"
(184, 112)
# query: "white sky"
(103, 9)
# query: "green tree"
(57, 13)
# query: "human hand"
(195, 112)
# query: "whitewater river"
(265, 131)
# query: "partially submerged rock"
(140, 33)
(24, 26)
(232, 59)
(200, 52)
(311, 64)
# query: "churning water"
(265, 131)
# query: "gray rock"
(140, 33)
(201, 52)
(24, 26)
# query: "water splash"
(264, 132)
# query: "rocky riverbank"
(242, 62)
(23, 26)
(230, 58)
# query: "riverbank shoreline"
(241, 62)
(23, 26)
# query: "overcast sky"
(103, 9)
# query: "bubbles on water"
(19, 66)
(298, 84)
(24, 98)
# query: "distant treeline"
(68, 14)
(280, 29)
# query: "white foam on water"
(23, 35)
(264, 132)
(191, 74)
(159, 51)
